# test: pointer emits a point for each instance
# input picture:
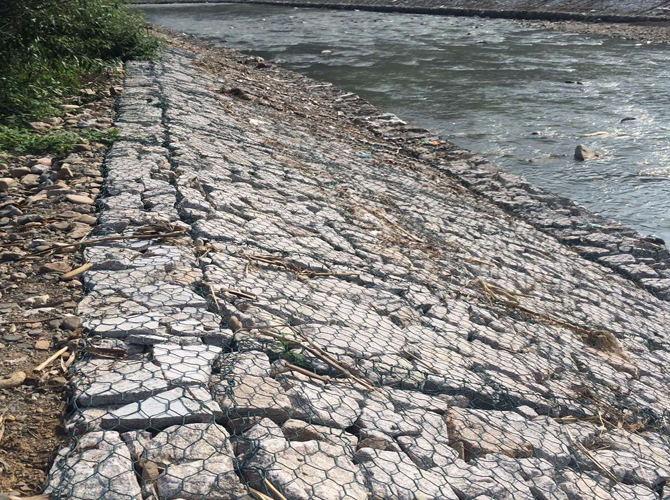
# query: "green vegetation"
(48, 46)
(22, 141)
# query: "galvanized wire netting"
(310, 314)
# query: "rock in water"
(583, 153)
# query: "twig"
(274, 490)
(398, 227)
(324, 356)
(298, 369)
(586, 452)
(51, 358)
(600, 338)
(77, 272)
(214, 299)
(421, 362)
(273, 260)
(25, 321)
(316, 351)
(106, 352)
(2, 426)
(313, 274)
(259, 495)
(105, 239)
(238, 293)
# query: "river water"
(496, 87)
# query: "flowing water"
(493, 86)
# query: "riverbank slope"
(298, 294)
(574, 10)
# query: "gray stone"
(427, 454)
(176, 406)
(98, 466)
(308, 470)
(583, 486)
(136, 441)
(297, 430)
(265, 434)
(381, 419)
(189, 442)
(327, 406)
(186, 365)
(511, 434)
(104, 381)
(583, 153)
(393, 476)
(630, 468)
(471, 480)
(370, 438)
(545, 488)
(214, 479)
(245, 396)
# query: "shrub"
(47, 45)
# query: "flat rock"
(381, 419)
(213, 479)
(630, 468)
(99, 466)
(136, 441)
(545, 488)
(186, 365)
(427, 454)
(55, 267)
(182, 405)
(585, 486)
(393, 476)
(104, 381)
(308, 470)
(297, 430)
(180, 443)
(508, 433)
(245, 396)
(79, 199)
(325, 406)
(265, 435)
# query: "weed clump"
(48, 46)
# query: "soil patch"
(42, 207)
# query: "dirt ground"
(45, 202)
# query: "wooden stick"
(342, 275)
(586, 452)
(274, 490)
(316, 351)
(25, 321)
(238, 293)
(259, 495)
(2, 426)
(214, 299)
(421, 362)
(109, 238)
(38, 497)
(320, 353)
(298, 369)
(77, 272)
(51, 359)
(399, 228)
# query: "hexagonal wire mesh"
(321, 325)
